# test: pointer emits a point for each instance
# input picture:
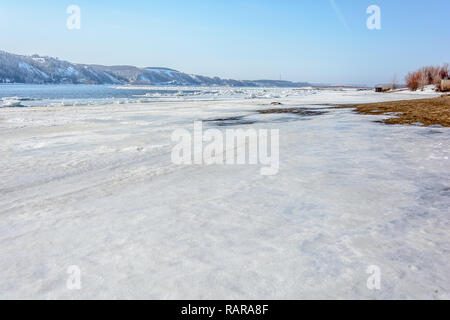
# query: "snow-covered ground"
(94, 187)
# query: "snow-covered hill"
(41, 70)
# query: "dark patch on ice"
(296, 111)
(231, 121)
(303, 114)
(446, 192)
(429, 132)
(433, 132)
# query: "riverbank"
(427, 112)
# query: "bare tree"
(394, 84)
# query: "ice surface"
(11, 102)
(94, 186)
(73, 95)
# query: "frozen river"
(94, 187)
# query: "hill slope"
(46, 70)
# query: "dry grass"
(427, 111)
(445, 85)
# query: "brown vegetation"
(426, 111)
(445, 85)
(428, 76)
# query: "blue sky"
(301, 40)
